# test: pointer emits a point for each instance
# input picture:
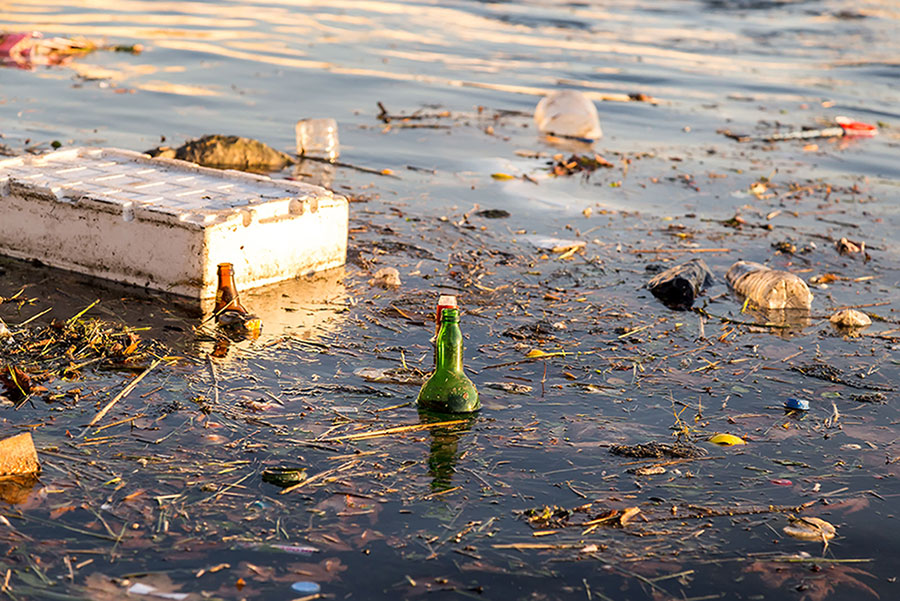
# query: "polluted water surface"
(624, 450)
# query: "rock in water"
(677, 287)
(227, 152)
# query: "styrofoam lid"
(135, 181)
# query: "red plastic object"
(856, 128)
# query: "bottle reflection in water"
(443, 452)
(317, 173)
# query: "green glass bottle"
(449, 390)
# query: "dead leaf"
(627, 514)
(810, 528)
(326, 570)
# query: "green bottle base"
(449, 393)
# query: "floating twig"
(642, 251)
(396, 430)
(123, 393)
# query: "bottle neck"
(450, 347)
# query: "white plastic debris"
(386, 277)
(568, 113)
(850, 318)
(139, 588)
(556, 245)
(163, 223)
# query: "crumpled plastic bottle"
(569, 114)
(769, 288)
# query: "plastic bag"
(570, 114)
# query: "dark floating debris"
(283, 476)
(657, 450)
(578, 164)
(538, 330)
(870, 397)
(493, 214)
(679, 286)
(833, 374)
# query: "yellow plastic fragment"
(726, 440)
(502, 176)
(534, 353)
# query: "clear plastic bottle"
(318, 138)
(769, 288)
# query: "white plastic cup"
(570, 114)
(318, 138)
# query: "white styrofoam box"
(166, 224)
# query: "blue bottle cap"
(798, 404)
(306, 587)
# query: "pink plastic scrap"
(15, 48)
(29, 49)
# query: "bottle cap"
(797, 404)
(447, 301)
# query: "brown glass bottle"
(230, 313)
(227, 295)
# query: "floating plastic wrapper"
(570, 114)
(318, 138)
